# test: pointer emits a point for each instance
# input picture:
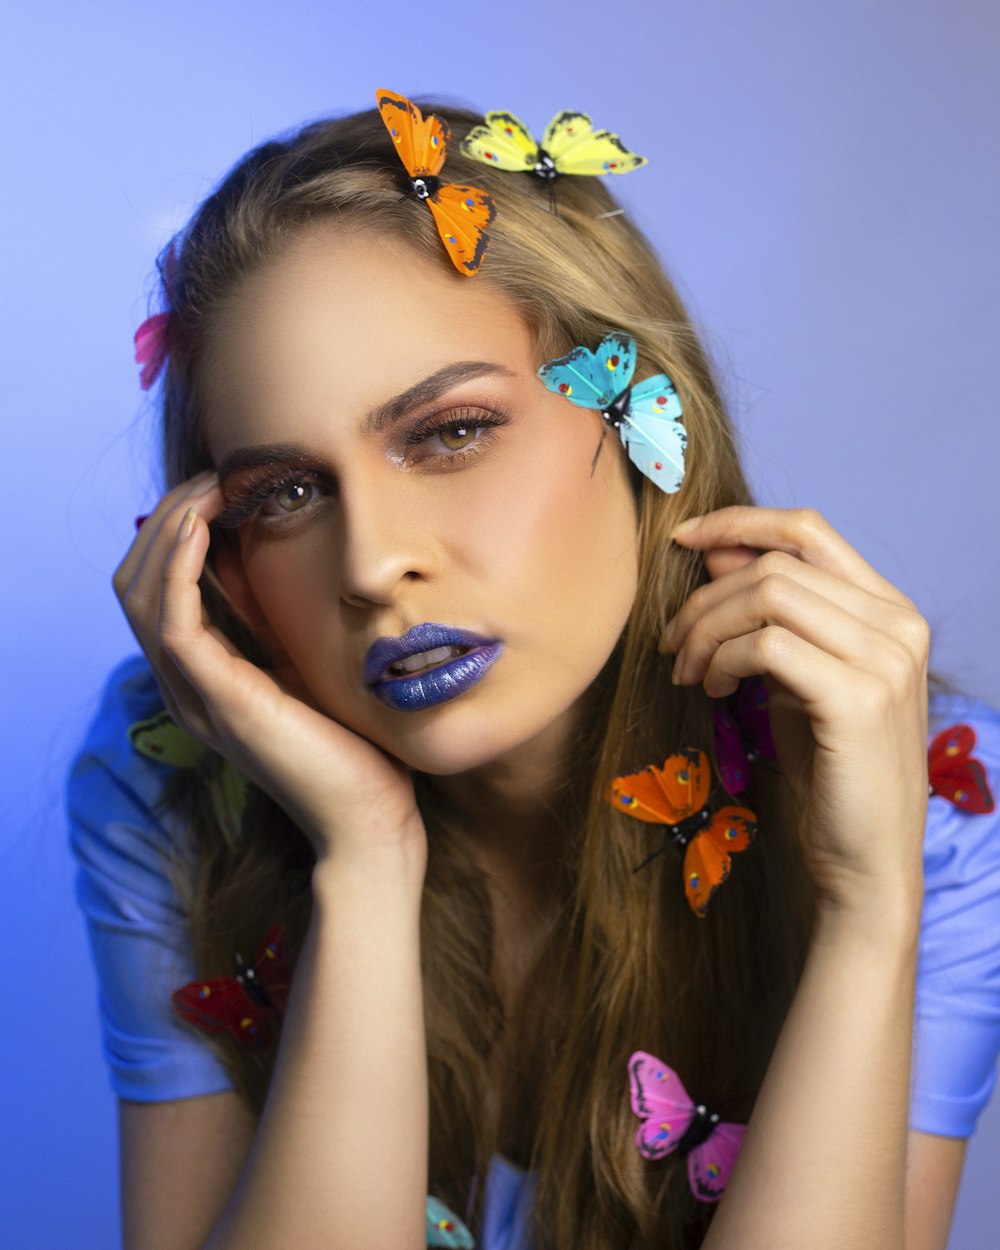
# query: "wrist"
(371, 869)
(887, 920)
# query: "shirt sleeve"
(136, 926)
(957, 1025)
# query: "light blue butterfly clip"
(645, 415)
(446, 1229)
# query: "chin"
(456, 737)
(443, 752)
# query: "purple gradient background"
(823, 183)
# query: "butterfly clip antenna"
(679, 835)
(246, 975)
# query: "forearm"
(823, 1161)
(340, 1157)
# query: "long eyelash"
(247, 500)
(474, 418)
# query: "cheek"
(560, 543)
(291, 585)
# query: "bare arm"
(933, 1172)
(823, 1163)
(340, 1157)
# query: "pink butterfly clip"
(671, 1121)
(742, 733)
(151, 348)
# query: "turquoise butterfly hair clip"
(645, 415)
(445, 1229)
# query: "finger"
(779, 567)
(800, 532)
(868, 645)
(722, 560)
(152, 527)
(201, 656)
(823, 684)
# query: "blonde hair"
(628, 966)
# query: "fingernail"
(187, 525)
(685, 527)
(139, 521)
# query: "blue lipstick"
(388, 681)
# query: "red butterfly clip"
(676, 795)
(955, 775)
(461, 213)
(242, 1005)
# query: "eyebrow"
(431, 388)
(379, 419)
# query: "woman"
(431, 611)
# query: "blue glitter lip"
(437, 685)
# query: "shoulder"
(114, 793)
(126, 845)
(957, 1029)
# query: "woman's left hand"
(845, 657)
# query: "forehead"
(341, 322)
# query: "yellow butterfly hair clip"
(570, 145)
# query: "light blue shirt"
(123, 844)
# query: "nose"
(385, 540)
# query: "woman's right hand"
(348, 796)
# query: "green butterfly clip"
(161, 739)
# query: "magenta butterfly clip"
(151, 348)
(672, 1122)
(742, 733)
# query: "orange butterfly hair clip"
(676, 796)
(461, 213)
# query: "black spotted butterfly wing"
(676, 795)
(461, 213)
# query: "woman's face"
(392, 461)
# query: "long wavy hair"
(627, 965)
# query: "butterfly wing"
(420, 141)
(955, 775)
(160, 738)
(664, 796)
(503, 141)
(577, 148)
(444, 1228)
(462, 215)
(227, 791)
(592, 379)
(654, 438)
(734, 767)
(151, 348)
(754, 716)
(660, 1100)
(221, 1005)
(273, 969)
(707, 858)
(710, 1165)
